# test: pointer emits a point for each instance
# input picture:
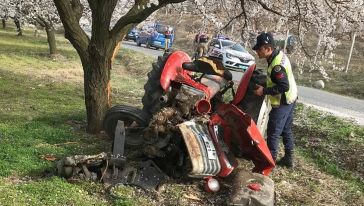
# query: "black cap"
(263, 38)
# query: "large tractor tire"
(152, 89)
(134, 122)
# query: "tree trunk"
(4, 23)
(96, 86)
(51, 38)
(96, 53)
(18, 26)
(36, 33)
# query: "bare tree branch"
(70, 12)
(267, 8)
(299, 30)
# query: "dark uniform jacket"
(279, 77)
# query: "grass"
(53, 191)
(333, 144)
(42, 113)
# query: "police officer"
(282, 92)
(167, 37)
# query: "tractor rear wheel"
(152, 89)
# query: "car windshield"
(233, 45)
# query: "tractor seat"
(208, 66)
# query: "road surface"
(132, 45)
(342, 106)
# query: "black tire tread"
(118, 112)
(152, 89)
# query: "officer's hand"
(259, 90)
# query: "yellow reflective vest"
(291, 94)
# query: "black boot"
(287, 160)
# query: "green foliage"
(129, 77)
(35, 119)
(126, 196)
(334, 145)
(53, 191)
(42, 114)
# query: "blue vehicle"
(132, 34)
(154, 36)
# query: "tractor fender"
(173, 67)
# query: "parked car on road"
(132, 34)
(233, 55)
(154, 36)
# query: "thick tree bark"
(4, 23)
(96, 53)
(96, 82)
(51, 38)
(18, 26)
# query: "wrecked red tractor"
(187, 129)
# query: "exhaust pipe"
(163, 99)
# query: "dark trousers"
(280, 124)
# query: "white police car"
(233, 55)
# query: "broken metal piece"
(117, 159)
(147, 176)
(119, 140)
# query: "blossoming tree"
(96, 51)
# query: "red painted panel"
(173, 68)
(245, 132)
(173, 71)
(243, 85)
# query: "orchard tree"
(327, 20)
(11, 9)
(5, 11)
(96, 51)
(43, 13)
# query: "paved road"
(342, 106)
(152, 52)
(338, 105)
(132, 45)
